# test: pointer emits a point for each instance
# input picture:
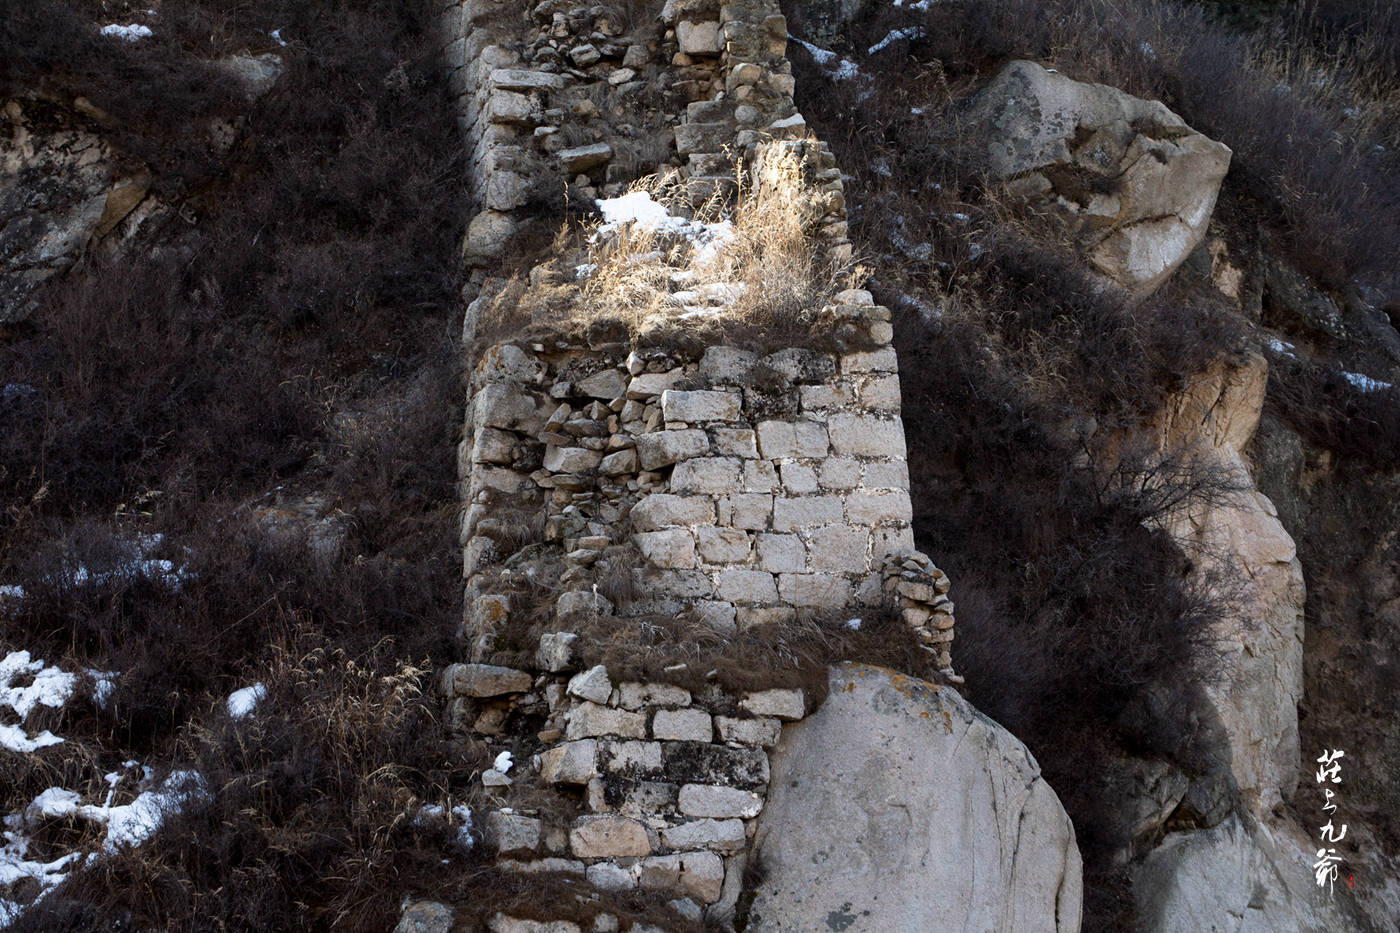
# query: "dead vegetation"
(667, 270)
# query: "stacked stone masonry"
(566, 95)
(752, 487)
(672, 782)
(741, 489)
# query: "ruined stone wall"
(604, 485)
(583, 98)
(752, 487)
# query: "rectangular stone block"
(839, 548)
(492, 445)
(662, 448)
(639, 799)
(588, 720)
(685, 584)
(866, 435)
(608, 836)
(888, 541)
(633, 695)
(734, 442)
(779, 553)
(759, 476)
(871, 508)
(705, 833)
(840, 473)
(714, 475)
(702, 876)
(682, 725)
(790, 514)
(660, 510)
(889, 474)
(798, 478)
(719, 802)
(746, 587)
(815, 590)
(782, 703)
(487, 680)
(723, 545)
(674, 547)
(511, 833)
(750, 511)
(700, 763)
(634, 759)
(881, 393)
(826, 395)
(570, 763)
(874, 361)
(650, 385)
(699, 406)
(792, 439)
(763, 731)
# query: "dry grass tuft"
(715, 264)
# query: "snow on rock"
(895, 35)
(504, 762)
(130, 33)
(837, 67)
(1366, 383)
(241, 703)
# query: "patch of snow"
(881, 166)
(1282, 346)
(974, 252)
(51, 687)
(504, 762)
(584, 270)
(464, 832)
(1366, 383)
(1351, 113)
(920, 5)
(276, 35)
(895, 35)
(104, 682)
(241, 703)
(16, 740)
(917, 111)
(853, 624)
(837, 67)
(130, 33)
(1148, 51)
(127, 825)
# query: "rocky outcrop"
(897, 806)
(1140, 183)
(59, 187)
(1236, 876)
(1256, 698)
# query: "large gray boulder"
(1140, 183)
(898, 807)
